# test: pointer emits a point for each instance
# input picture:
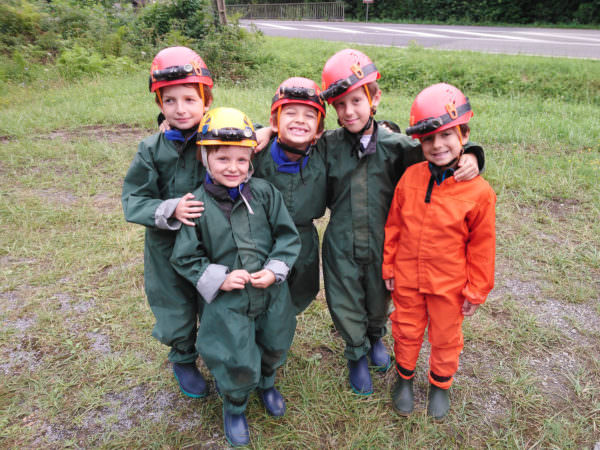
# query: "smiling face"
(443, 147)
(298, 125)
(182, 106)
(353, 109)
(229, 164)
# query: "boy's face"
(353, 109)
(182, 106)
(444, 146)
(229, 164)
(298, 125)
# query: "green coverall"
(162, 172)
(245, 334)
(359, 193)
(304, 197)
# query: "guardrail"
(330, 11)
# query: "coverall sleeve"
(286, 241)
(189, 260)
(477, 150)
(481, 250)
(141, 195)
(392, 234)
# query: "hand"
(236, 279)
(188, 209)
(467, 168)
(262, 279)
(263, 136)
(164, 126)
(389, 284)
(468, 308)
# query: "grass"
(80, 369)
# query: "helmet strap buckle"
(451, 109)
(356, 70)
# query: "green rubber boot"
(403, 399)
(438, 402)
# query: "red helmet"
(345, 71)
(298, 90)
(438, 108)
(178, 65)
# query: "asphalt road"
(573, 43)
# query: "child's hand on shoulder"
(262, 279)
(467, 168)
(263, 136)
(235, 279)
(164, 126)
(468, 308)
(188, 209)
(389, 284)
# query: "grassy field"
(79, 368)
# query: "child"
(293, 165)
(238, 256)
(363, 162)
(157, 194)
(439, 248)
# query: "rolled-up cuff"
(279, 268)
(211, 280)
(162, 215)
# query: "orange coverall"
(438, 253)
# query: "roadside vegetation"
(79, 368)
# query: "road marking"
(496, 36)
(412, 33)
(561, 36)
(341, 30)
(280, 27)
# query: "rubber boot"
(191, 382)
(403, 399)
(273, 401)
(438, 402)
(379, 356)
(360, 378)
(236, 429)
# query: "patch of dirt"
(58, 196)
(111, 134)
(105, 202)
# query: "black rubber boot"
(403, 399)
(191, 382)
(438, 402)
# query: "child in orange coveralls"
(439, 248)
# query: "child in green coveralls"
(292, 163)
(364, 162)
(238, 257)
(157, 194)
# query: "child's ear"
(465, 136)
(273, 123)
(376, 98)
(208, 105)
(319, 134)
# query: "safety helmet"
(436, 108)
(346, 71)
(298, 90)
(178, 65)
(226, 126)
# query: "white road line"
(561, 36)
(411, 33)
(280, 27)
(341, 30)
(496, 36)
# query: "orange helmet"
(345, 71)
(438, 108)
(298, 90)
(178, 65)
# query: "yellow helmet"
(226, 126)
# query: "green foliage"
(487, 11)
(77, 62)
(96, 36)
